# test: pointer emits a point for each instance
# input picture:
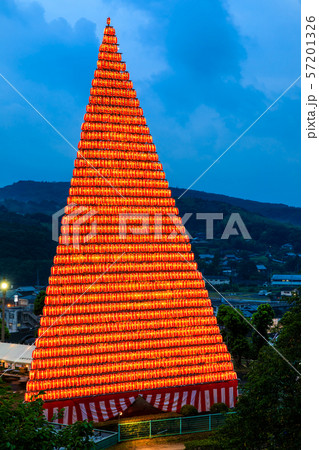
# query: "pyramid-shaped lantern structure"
(126, 310)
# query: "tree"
(24, 427)
(247, 270)
(262, 319)
(39, 303)
(213, 268)
(77, 436)
(293, 264)
(235, 331)
(189, 410)
(219, 408)
(268, 412)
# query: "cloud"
(203, 74)
(51, 64)
(138, 30)
(270, 33)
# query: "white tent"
(17, 354)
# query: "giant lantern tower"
(125, 314)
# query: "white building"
(218, 280)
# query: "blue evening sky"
(203, 71)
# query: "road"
(149, 445)
(172, 446)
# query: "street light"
(4, 286)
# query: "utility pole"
(4, 287)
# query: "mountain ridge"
(27, 196)
(27, 249)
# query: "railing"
(102, 439)
(30, 319)
(168, 427)
(107, 441)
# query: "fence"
(102, 439)
(167, 427)
(106, 441)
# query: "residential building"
(286, 280)
(218, 280)
(206, 256)
(19, 318)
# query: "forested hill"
(26, 246)
(30, 197)
(275, 211)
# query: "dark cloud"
(193, 95)
(52, 65)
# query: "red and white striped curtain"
(102, 408)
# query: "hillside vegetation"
(26, 246)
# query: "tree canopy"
(268, 412)
(39, 303)
(262, 319)
(24, 427)
(234, 330)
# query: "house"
(286, 280)
(19, 318)
(227, 271)
(261, 268)
(288, 292)
(26, 290)
(224, 264)
(231, 257)
(277, 260)
(287, 247)
(23, 296)
(206, 256)
(218, 280)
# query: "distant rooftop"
(286, 277)
(26, 289)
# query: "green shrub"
(218, 408)
(24, 427)
(189, 410)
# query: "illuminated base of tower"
(103, 407)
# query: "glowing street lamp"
(4, 286)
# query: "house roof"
(286, 277)
(26, 289)
(217, 277)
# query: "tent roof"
(16, 353)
